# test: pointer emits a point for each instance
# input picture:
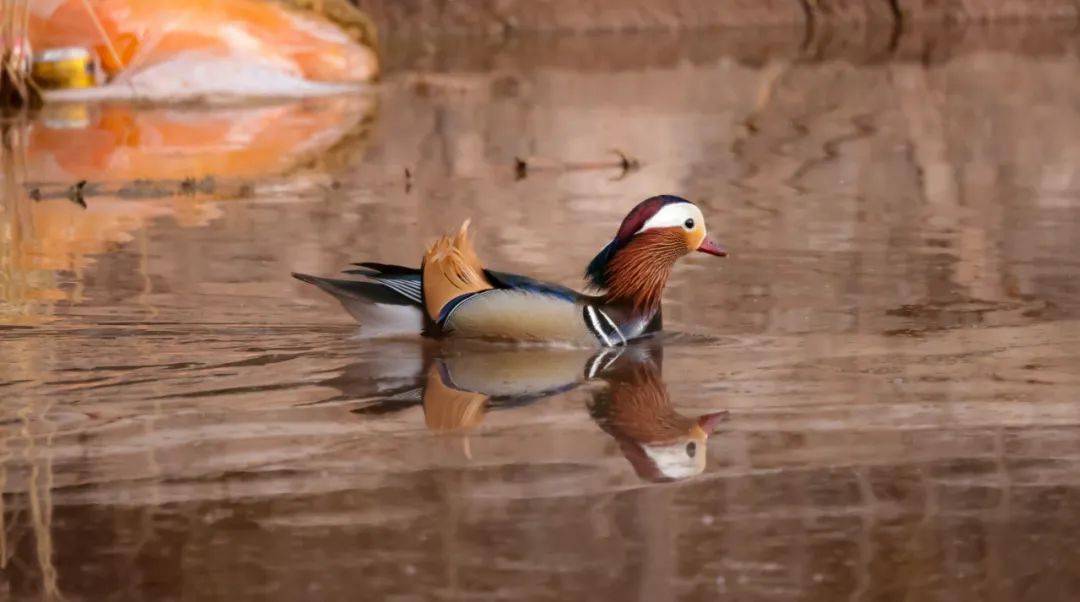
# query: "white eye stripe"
(673, 215)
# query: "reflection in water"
(29, 527)
(461, 382)
(142, 164)
(636, 410)
(460, 387)
(157, 145)
(41, 507)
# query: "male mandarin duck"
(453, 295)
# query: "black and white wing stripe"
(600, 362)
(405, 287)
(603, 327)
(400, 279)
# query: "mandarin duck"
(453, 295)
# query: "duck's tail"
(451, 269)
(447, 408)
(380, 308)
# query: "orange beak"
(709, 246)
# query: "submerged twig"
(625, 164)
(191, 186)
(113, 54)
(75, 194)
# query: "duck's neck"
(640, 407)
(637, 273)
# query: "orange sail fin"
(450, 409)
(451, 269)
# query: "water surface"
(894, 336)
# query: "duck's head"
(672, 458)
(656, 233)
(635, 408)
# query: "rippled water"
(895, 336)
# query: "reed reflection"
(626, 396)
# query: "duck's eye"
(691, 448)
(689, 223)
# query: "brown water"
(895, 335)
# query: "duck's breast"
(518, 315)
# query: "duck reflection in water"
(635, 408)
(458, 385)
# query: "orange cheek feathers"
(694, 238)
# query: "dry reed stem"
(101, 32)
(17, 90)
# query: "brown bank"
(496, 16)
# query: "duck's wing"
(387, 284)
(389, 302)
(506, 280)
(404, 281)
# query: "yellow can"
(64, 68)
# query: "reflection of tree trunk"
(14, 213)
(946, 214)
(927, 135)
(40, 498)
(771, 76)
(4, 455)
(658, 571)
(864, 539)
(453, 554)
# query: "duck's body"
(452, 294)
(516, 308)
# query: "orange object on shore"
(147, 42)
